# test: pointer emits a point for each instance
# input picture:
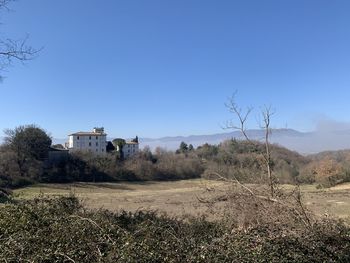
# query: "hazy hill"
(339, 156)
(302, 142)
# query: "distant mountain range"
(302, 142)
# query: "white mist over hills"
(302, 142)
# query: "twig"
(95, 224)
(235, 180)
(65, 256)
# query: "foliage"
(243, 160)
(57, 146)
(85, 166)
(16, 173)
(183, 148)
(118, 142)
(207, 151)
(28, 142)
(60, 230)
(110, 147)
(327, 170)
(164, 166)
(5, 195)
(22, 162)
(22, 155)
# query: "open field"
(177, 197)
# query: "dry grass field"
(178, 197)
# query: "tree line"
(24, 153)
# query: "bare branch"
(267, 112)
(65, 256)
(235, 180)
(242, 117)
(4, 4)
(15, 50)
(95, 224)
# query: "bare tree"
(267, 113)
(251, 205)
(242, 116)
(14, 50)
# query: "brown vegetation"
(61, 230)
(23, 161)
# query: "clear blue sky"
(160, 67)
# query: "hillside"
(302, 142)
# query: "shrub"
(61, 230)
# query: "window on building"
(96, 150)
(102, 150)
(89, 137)
(89, 143)
(78, 138)
(96, 143)
(96, 137)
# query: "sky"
(157, 68)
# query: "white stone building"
(94, 141)
(130, 149)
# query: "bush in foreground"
(61, 230)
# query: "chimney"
(98, 130)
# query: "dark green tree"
(58, 146)
(119, 143)
(28, 141)
(183, 148)
(110, 147)
(190, 147)
(30, 145)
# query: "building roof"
(131, 143)
(88, 134)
